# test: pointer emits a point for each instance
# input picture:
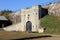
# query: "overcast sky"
(18, 4)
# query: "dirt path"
(27, 36)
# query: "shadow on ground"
(44, 36)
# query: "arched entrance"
(28, 26)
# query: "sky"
(15, 5)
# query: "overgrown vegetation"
(5, 13)
(52, 24)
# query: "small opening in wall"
(28, 18)
(24, 15)
(36, 25)
(24, 25)
(33, 26)
(28, 15)
(36, 13)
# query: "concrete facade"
(29, 17)
(32, 15)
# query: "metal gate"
(28, 26)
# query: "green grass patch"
(52, 24)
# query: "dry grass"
(4, 35)
(16, 35)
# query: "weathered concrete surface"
(26, 15)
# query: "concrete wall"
(32, 15)
(26, 14)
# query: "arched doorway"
(28, 26)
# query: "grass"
(52, 24)
(17, 35)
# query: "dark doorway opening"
(28, 26)
(5, 23)
(43, 12)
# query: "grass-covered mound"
(52, 24)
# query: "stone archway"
(28, 26)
